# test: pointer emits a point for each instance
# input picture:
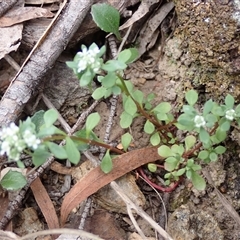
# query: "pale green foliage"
(107, 18)
(203, 131)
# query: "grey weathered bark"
(20, 91)
(5, 5)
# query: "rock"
(189, 223)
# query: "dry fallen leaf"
(21, 14)
(149, 31)
(40, 2)
(141, 12)
(44, 202)
(96, 178)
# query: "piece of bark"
(5, 5)
(42, 59)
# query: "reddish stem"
(163, 189)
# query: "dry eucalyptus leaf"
(96, 178)
(10, 39)
(149, 29)
(142, 11)
(21, 14)
(40, 2)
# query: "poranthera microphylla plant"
(203, 131)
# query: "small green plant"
(203, 131)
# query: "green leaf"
(190, 163)
(211, 120)
(48, 131)
(86, 78)
(165, 151)
(204, 135)
(170, 163)
(220, 150)
(138, 96)
(99, 93)
(13, 180)
(116, 90)
(149, 127)
(150, 97)
(72, 151)
(91, 122)
(129, 86)
(225, 126)
(152, 167)
(37, 119)
(213, 156)
(162, 116)
(128, 55)
(229, 101)
(189, 110)
(82, 146)
(203, 154)
(130, 106)
(72, 64)
(196, 167)
(163, 107)
(125, 120)
(177, 149)
(126, 140)
(167, 175)
(237, 110)
(109, 80)
(207, 107)
(114, 65)
(40, 156)
(50, 117)
(220, 135)
(108, 93)
(58, 151)
(180, 172)
(218, 111)
(106, 17)
(155, 139)
(191, 97)
(189, 142)
(198, 182)
(185, 120)
(106, 164)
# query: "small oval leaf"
(106, 164)
(72, 151)
(50, 117)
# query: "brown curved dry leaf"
(21, 14)
(45, 204)
(142, 11)
(96, 178)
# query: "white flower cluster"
(89, 58)
(12, 142)
(230, 114)
(199, 121)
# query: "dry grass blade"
(140, 212)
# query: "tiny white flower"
(31, 140)
(199, 121)
(230, 114)
(88, 58)
(5, 147)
